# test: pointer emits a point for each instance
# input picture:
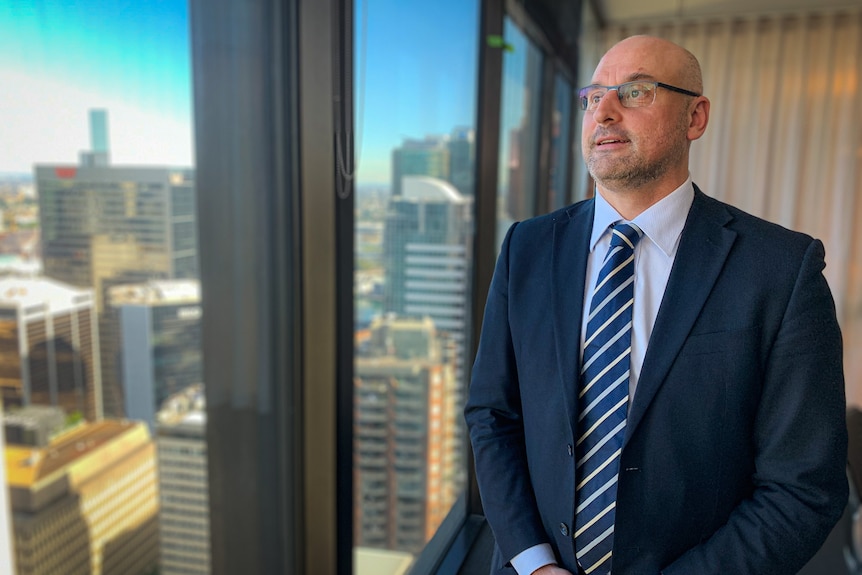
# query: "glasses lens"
(637, 94)
(591, 96)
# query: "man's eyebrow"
(640, 76)
(633, 77)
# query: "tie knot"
(625, 234)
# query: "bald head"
(654, 57)
(638, 154)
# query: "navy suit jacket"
(736, 443)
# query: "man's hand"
(551, 570)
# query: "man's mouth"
(605, 141)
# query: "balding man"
(659, 385)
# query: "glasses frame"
(584, 105)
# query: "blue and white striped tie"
(603, 399)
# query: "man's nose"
(609, 109)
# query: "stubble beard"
(636, 172)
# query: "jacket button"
(570, 449)
(564, 529)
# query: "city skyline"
(111, 218)
(58, 62)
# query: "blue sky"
(421, 74)
(59, 58)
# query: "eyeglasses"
(631, 94)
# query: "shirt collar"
(662, 222)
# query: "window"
(97, 178)
(561, 144)
(416, 73)
(520, 123)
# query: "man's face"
(629, 148)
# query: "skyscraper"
(427, 253)
(159, 327)
(405, 426)
(106, 225)
(428, 157)
(100, 153)
(48, 351)
(462, 154)
(183, 484)
(86, 502)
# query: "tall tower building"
(159, 347)
(86, 502)
(100, 153)
(183, 484)
(426, 243)
(428, 157)
(462, 154)
(48, 350)
(406, 455)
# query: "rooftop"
(22, 293)
(156, 292)
(27, 466)
(428, 189)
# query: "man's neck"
(630, 202)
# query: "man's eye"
(635, 94)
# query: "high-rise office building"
(427, 251)
(406, 454)
(159, 347)
(183, 484)
(103, 225)
(48, 350)
(462, 154)
(86, 502)
(107, 225)
(428, 157)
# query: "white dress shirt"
(662, 224)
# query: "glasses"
(631, 94)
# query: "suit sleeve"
(800, 485)
(494, 419)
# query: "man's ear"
(698, 117)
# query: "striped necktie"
(603, 399)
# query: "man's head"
(644, 149)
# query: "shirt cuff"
(532, 558)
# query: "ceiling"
(628, 10)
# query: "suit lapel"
(568, 269)
(703, 249)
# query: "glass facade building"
(159, 324)
(108, 225)
(49, 353)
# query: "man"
(677, 405)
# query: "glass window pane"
(520, 124)
(416, 74)
(100, 319)
(561, 145)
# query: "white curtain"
(784, 140)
